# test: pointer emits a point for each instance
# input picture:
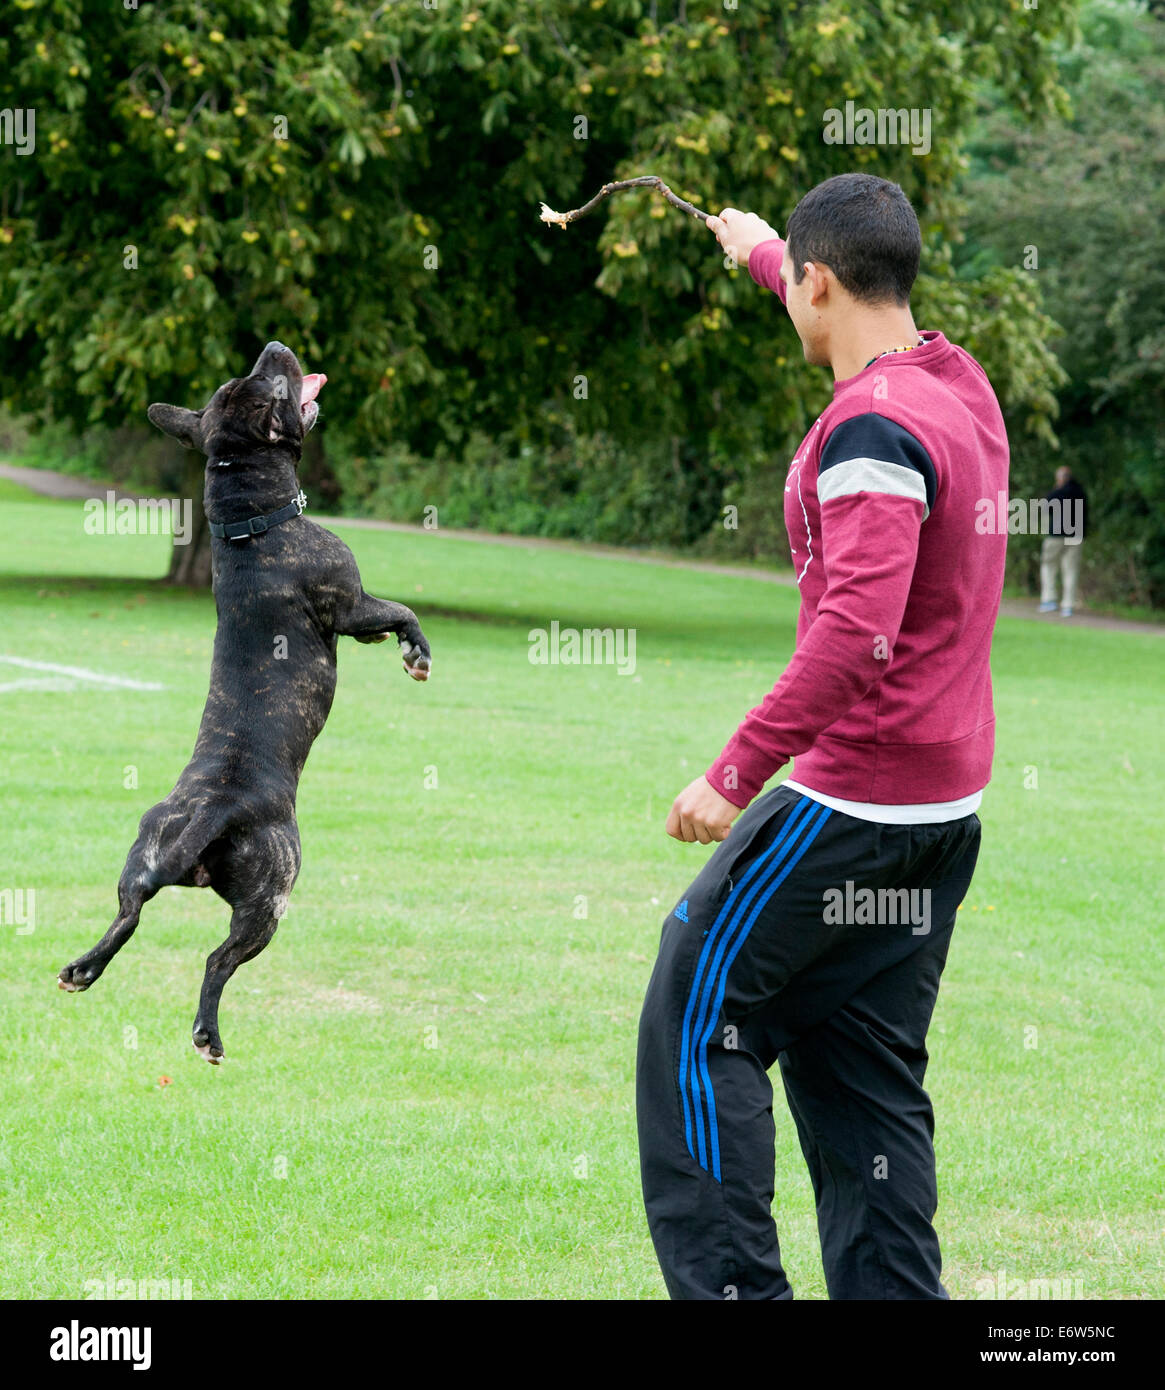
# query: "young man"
(816, 933)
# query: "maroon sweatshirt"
(887, 697)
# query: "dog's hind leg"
(255, 879)
(252, 927)
(133, 890)
(168, 849)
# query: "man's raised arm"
(756, 246)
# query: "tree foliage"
(392, 238)
(1085, 195)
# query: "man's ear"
(183, 425)
(819, 280)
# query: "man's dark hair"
(864, 229)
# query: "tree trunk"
(190, 564)
(315, 477)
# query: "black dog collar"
(244, 530)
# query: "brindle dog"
(284, 591)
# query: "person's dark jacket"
(1073, 509)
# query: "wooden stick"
(563, 219)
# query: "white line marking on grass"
(46, 683)
(78, 673)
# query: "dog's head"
(274, 406)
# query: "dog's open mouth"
(308, 408)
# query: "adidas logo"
(682, 911)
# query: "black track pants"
(784, 949)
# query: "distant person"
(886, 706)
(1062, 544)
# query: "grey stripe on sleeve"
(871, 475)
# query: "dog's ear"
(183, 425)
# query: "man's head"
(1063, 475)
(853, 247)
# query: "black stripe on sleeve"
(874, 437)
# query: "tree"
(1080, 203)
(362, 181)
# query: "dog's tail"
(181, 860)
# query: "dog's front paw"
(418, 663)
(74, 978)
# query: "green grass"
(429, 1077)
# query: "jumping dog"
(285, 590)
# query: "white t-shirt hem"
(922, 813)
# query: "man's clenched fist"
(740, 233)
(701, 813)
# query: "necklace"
(909, 348)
